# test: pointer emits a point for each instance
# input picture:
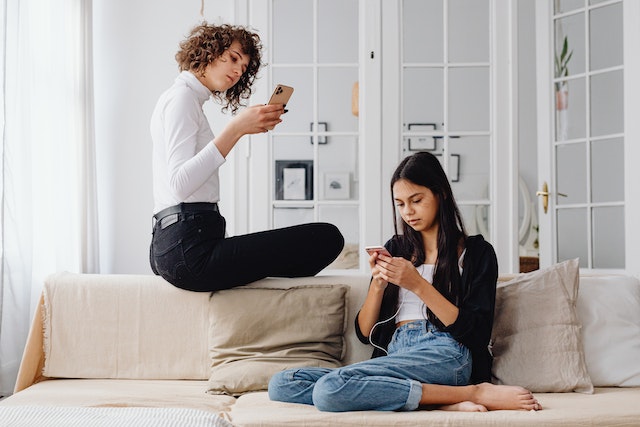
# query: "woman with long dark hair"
(428, 313)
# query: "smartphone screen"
(380, 249)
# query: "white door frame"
(544, 101)
(631, 24)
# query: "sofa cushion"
(609, 310)
(256, 332)
(536, 334)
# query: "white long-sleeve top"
(185, 159)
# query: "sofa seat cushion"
(121, 393)
(606, 407)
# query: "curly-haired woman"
(189, 247)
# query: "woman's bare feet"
(494, 397)
(464, 407)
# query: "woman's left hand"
(399, 271)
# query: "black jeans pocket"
(179, 251)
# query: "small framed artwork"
(337, 185)
(294, 180)
(322, 127)
(422, 142)
(454, 166)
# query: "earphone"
(421, 271)
(384, 321)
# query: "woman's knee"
(328, 395)
(277, 386)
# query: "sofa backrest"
(123, 326)
(141, 327)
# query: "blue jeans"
(417, 354)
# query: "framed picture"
(422, 142)
(454, 166)
(337, 185)
(322, 127)
(294, 180)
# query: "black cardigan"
(473, 326)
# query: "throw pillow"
(256, 332)
(610, 318)
(536, 339)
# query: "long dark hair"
(424, 169)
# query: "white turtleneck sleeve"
(185, 160)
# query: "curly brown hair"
(207, 42)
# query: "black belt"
(171, 215)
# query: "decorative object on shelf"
(355, 99)
(562, 89)
(337, 185)
(562, 65)
(322, 127)
(294, 180)
(421, 142)
(454, 166)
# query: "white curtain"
(48, 203)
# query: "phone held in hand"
(379, 249)
(281, 95)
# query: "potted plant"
(561, 71)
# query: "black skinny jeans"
(193, 253)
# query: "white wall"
(134, 48)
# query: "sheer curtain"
(48, 203)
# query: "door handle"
(545, 196)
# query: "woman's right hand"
(257, 119)
(377, 280)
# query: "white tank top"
(411, 306)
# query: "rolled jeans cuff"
(415, 394)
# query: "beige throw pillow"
(256, 332)
(536, 333)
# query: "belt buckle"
(168, 220)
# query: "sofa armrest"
(30, 371)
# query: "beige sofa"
(106, 346)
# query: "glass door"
(313, 46)
(446, 103)
(582, 173)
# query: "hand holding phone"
(281, 95)
(379, 249)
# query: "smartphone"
(380, 249)
(281, 95)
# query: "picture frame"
(322, 127)
(454, 166)
(294, 180)
(337, 185)
(421, 142)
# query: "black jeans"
(193, 253)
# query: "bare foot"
(466, 406)
(494, 397)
